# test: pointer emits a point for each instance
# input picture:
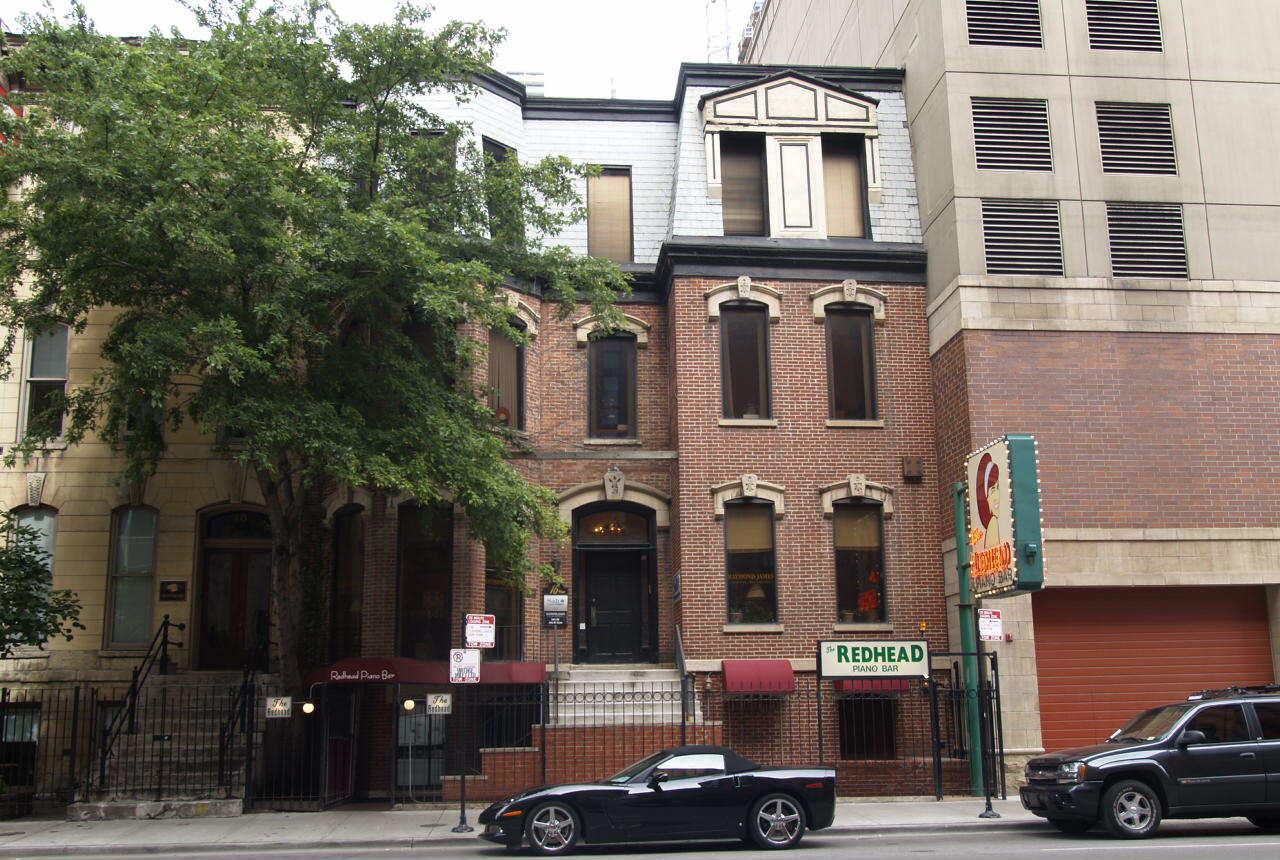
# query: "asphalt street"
(1179, 840)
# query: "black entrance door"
(615, 594)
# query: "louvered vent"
(1147, 240)
(1124, 25)
(1012, 134)
(1136, 138)
(1022, 237)
(1014, 23)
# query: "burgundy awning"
(404, 670)
(770, 677)
(872, 685)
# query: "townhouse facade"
(748, 467)
(1100, 205)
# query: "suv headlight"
(1071, 772)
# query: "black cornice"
(801, 259)
(618, 110)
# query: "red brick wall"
(1134, 430)
(802, 454)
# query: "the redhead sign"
(1005, 551)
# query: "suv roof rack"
(1231, 692)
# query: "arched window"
(750, 562)
(43, 521)
(132, 571)
(612, 367)
(859, 548)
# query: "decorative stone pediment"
(750, 487)
(789, 100)
(744, 289)
(856, 487)
(847, 292)
(584, 327)
(613, 486)
(523, 310)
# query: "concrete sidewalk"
(363, 828)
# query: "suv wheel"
(1131, 809)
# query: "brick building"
(1100, 209)
(748, 468)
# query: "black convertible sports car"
(693, 792)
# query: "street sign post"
(555, 610)
(481, 631)
(464, 666)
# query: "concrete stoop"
(143, 810)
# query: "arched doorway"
(235, 589)
(615, 583)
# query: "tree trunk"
(286, 592)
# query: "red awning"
(759, 676)
(872, 685)
(404, 670)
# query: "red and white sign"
(990, 625)
(481, 631)
(464, 666)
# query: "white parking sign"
(464, 666)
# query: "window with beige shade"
(742, 170)
(609, 215)
(744, 357)
(859, 545)
(844, 184)
(750, 566)
(850, 362)
(506, 379)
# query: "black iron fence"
(220, 741)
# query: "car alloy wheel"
(1132, 809)
(777, 822)
(552, 829)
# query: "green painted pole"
(968, 642)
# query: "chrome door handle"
(1248, 755)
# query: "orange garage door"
(1103, 654)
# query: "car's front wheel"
(1270, 823)
(552, 829)
(776, 821)
(1073, 826)
(1131, 809)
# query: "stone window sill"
(856, 422)
(862, 627)
(619, 441)
(748, 422)
(753, 628)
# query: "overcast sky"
(584, 47)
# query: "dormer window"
(790, 156)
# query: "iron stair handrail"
(126, 718)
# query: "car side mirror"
(658, 777)
(1191, 736)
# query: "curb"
(420, 843)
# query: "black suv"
(1216, 755)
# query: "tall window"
(506, 379)
(426, 581)
(133, 570)
(744, 359)
(859, 563)
(348, 583)
(502, 601)
(744, 192)
(749, 563)
(612, 370)
(843, 184)
(850, 362)
(506, 217)
(609, 215)
(46, 382)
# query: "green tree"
(298, 254)
(31, 612)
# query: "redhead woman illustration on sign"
(989, 500)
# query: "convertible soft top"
(733, 763)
